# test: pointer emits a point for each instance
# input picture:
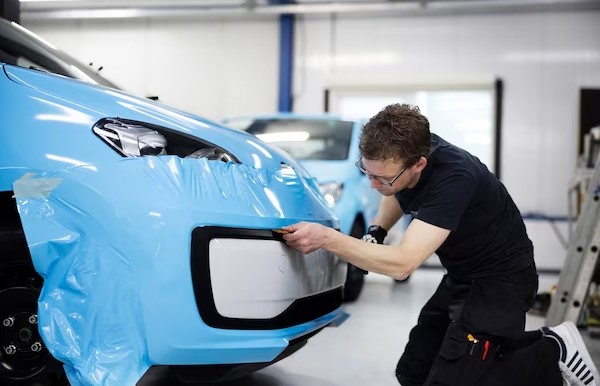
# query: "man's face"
(388, 176)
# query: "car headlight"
(136, 139)
(131, 140)
(332, 191)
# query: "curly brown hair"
(398, 132)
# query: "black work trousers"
(473, 333)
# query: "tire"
(355, 277)
(24, 359)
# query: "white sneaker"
(575, 362)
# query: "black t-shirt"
(457, 192)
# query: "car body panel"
(45, 95)
(111, 235)
(283, 273)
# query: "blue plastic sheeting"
(112, 243)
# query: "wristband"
(378, 232)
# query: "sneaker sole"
(576, 336)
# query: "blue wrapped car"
(134, 235)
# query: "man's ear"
(421, 163)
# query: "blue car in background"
(133, 235)
(327, 146)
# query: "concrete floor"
(365, 349)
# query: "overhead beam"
(78, 9)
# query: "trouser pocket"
(497, 305)
(463, 358)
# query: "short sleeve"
(447, 199)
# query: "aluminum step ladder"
(584, 247)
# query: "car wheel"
(355, 277)
(24, 359)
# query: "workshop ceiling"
(95, 9)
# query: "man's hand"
(306, 237)
(376, 234)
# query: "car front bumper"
(131, 251)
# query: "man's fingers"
(291, 232)
(291, 236)
(299, 236)
(291, 228)
(295, 240)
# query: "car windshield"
(21, 47)
(306, 139)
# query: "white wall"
(543, 58)
(212, 68)
(230, 67)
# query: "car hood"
(95, 102)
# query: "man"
(471, 331)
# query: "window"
(306, 138)
(462, 116)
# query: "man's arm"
(420, 241)
(388, 214)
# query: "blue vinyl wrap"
(111, 235)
